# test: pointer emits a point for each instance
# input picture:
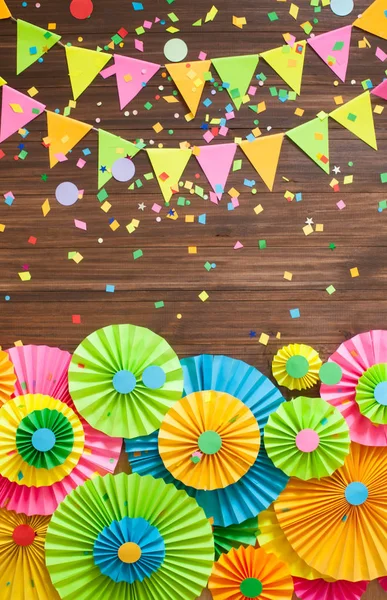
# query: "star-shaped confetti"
(336, 170)
(141, 206)
(252, 334)
(309, 221)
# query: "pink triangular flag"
(381, 90)
(132, 75)
(216, 162)
(333, 48)
(17, 110)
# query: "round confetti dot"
(356, 493)
(380, 393)
(126, 113)
(100, 240)
(158, 219)
(7, 298)
(24, 4)
(350, 164)
(335, 83)
(123, 169)
(178, 316)
(161, 87)
(129, 553)
(67, 193)
(23, 535)
(154, 377)
(135, 113)
(251, 587)
(213, 265)
(341, 8)
(98, 120)
(307, 440)
(43, 439)
(124, 382)
(37, 5)
(330, 373)
(353, 81)
(297, 366)
(80, 39)
(175, 50)
(99, 103)
(209, 442)
(81, 9)
(176, 115)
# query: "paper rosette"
(337, 524)
(239, 501)
(356, 358)
(235, 536)
(273, 540)
(23, 574)
(325, 590)
(131, 537)
(296, 366)
(41, 440)
(209, 440)
(250, 573)
(123, 379)
(306, 438)
(383, 582)
(234, 377)
(7, 378)
(371, 394)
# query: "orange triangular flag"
(4, 10)
(264, 153)
(374, 19)
(189, 80)
(63, 134)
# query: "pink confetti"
(223, 130)
(81, 163)
(61, 157)
(202, 55)
(208, 137)
(139, 45)
(230, 115)
(156, 208)
(214, 198)
(252, 90)
(238, 245)
(341, 204)
(148, 24)
(380, 54)
(80, 224)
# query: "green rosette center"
(371, 394)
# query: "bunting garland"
(190, 79)
(63, 134)
(264, 153)
(236, 73)
(32, 42)
(110, 148)
(288, 62)
(84, 66)
(17, 110)
(168, 165)
(216, 162)
(374, 19)
(333, 48)
(356, 116)
(313, 139)
(381, 90)
(4, 10)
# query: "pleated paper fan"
(123, 379)
(41, 440)
(234, 377)
(250, 573)
(129, 537)
(328, 590)
(337, 524)
(23, 574)
(41, 370)
(242, 500)
(209, 440)
(100, 456)
(273, 540)
(356, 358)
(7, 378)
(235, 536)
(296, 366)
(307, 437)
(383, 582)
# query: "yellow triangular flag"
(168, 165)
(264, 153)
(288, 62)
(356, 116)
(374, 19)
(189, 80)
(4, 10)
(84, 66)
(63, 134)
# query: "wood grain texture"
(246, 290)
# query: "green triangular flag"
(110, 148)
(313, 138)
(237, 72)
(32, 43)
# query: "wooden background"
(246, 290)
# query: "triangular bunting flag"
(236, 72)
(63, 134)
(110, 148)
(32, 43)
(288, 62)
(264, 153)
(132, 75)
(356, 116)
(189, 80)
(168, 165)
(216, 162)
(84, 65)
(4, 10)
(333, 48)
(313, 139)
(381, 90)
(17, 110)
(374, 19)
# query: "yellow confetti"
(348, 179)
(319, 227)
(258, 209)
(210, 16)
(192, 250)
(203, 296)
(308, 229)
(32, 92)
(293, 10)
(354, 272)
(239, 22)
(263, 339)
(378, 109)
(299, 112)
(288, 275)
(46, 207)
(25, 276)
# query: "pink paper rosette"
(383, 583)
(319, 589)
(362, 388)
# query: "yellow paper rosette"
(41, 440)
(7, 377)
(209, 440)
(296, 366)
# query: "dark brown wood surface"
(247, 291)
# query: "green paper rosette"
(307, 438)
(371, 394)
(234, 536)
(123, 379)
